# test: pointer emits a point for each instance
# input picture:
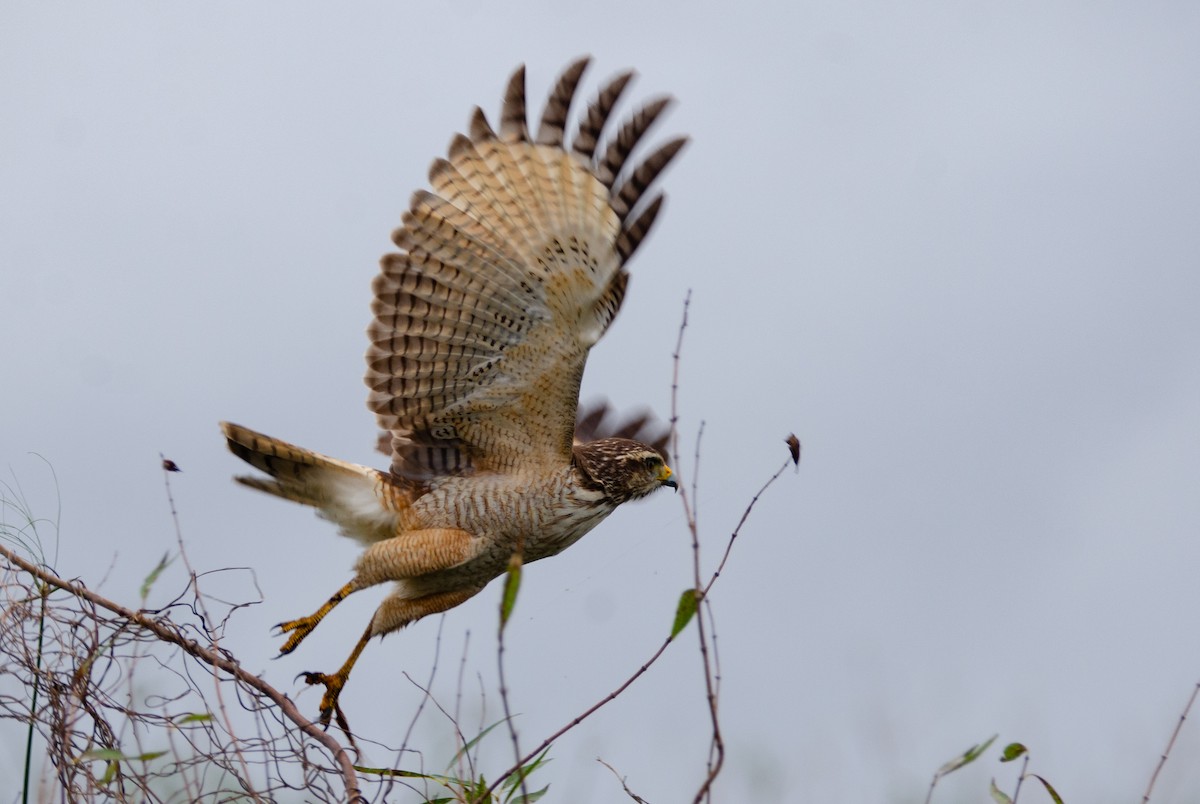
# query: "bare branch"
(166, 631)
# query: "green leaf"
(512, 583)
(967, 757)
(532, 797)
(1013, 751)
(998, 795)
(478, 792)
(194, 717)
(433, 777)
(460, 753)
(153, 576)
(101, 753)
(541, 760)
(685, 611)
(1049, 789)
(514, 780)
(112, 754)
(386, 771)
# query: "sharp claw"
(329, 705)
(298, 630)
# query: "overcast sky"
(955, 247)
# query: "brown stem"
(1170, 744)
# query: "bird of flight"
(510, 268)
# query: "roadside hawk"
(510, 268)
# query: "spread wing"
(593, 421)
(509, 270)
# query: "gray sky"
(954, 247)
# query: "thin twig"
(43, 591)
(675, 361)
(505, 611)
(167, 468)
(463, 754)
(546, 743)
(1170, 743)
(412, 723)
(43, 596)
(717, 745)
(695, 499)
(716, 663)
(690, 508)
(624, 786)
(716, 756)
(738, 529)
(437, 704)
(1020, 778)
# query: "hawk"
(510, 268)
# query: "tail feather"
(359, 499)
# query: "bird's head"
(622, 468)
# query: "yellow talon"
(300, 629)
(304, 626)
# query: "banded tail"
(364, 502)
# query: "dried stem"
(1170, 744)
(690, 507)
(166, 631)
(591, 710)
(507, 600)
(1020, 778)
(738, 529)
(624, 784)
(168, 467)
(716, 756)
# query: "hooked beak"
(664, 477)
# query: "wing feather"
(554, 118)
(510, 268)
(627, 139)
(513, 121)
(587, 140)
(629, 192)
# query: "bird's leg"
(395, 612)
(410, 554)
(302, 627)
(416, 552)
(333, 687)
(413, 553)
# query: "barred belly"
(566, 524)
